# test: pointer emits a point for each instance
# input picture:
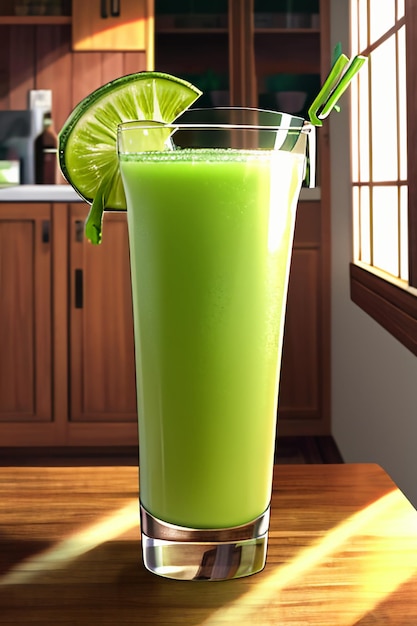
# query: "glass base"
(184, 553)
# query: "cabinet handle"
(114, 8)
(79, 291)
(46, 231)
(79, 231)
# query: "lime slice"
(87, 141)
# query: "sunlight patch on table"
(373, 551)
(61, 554)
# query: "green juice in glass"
(210, 242)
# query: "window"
(384, 165)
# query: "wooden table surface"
(342, 552)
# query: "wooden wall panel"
(40, 57)
(4, 67)
(111, 66)
(86, 74)
(134, 62)
(53, 67)
(22, 66)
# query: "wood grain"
(22, 68)
(40, 57)
(127, 31)
(53, 68)
(102, 371)
(342, 552)
(25, 321)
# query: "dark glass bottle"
(46, 166)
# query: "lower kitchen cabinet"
(67, 375)
(67, 355)
(25, 314)
(101, 346)
(305, 379)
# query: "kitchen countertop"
(65, 193)
(342, 551)
(39, 193)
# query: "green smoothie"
(210, 243)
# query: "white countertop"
(65, 193)
(39, 193)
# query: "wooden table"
(342, 552)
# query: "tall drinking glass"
(211, 204)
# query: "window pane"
(400, 9)
(385, 229)
(384, 112)
(402, 104)
(354, 130)
(363, 151)
(383, 17)
(363, 23)
(356, 225)
(379, 138)
(404, 233)
(365, 225)
(354, 28)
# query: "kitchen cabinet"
(67, 354)
(96, 25)
(101, 349)
(25, 314)
(99, 25)
(303, 390)
(67, 374)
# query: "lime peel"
(94, 221)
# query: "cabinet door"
(112, 25)
(25, 313)
(304, 386)
(102, 373)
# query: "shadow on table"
(107, 585)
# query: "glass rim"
(284, 124)
(133, 124)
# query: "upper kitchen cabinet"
(192, 41)
(267, 53)
(288, 79)
(111, 25)
(208, 42)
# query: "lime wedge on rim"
(87, 142)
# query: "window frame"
(390, 302)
